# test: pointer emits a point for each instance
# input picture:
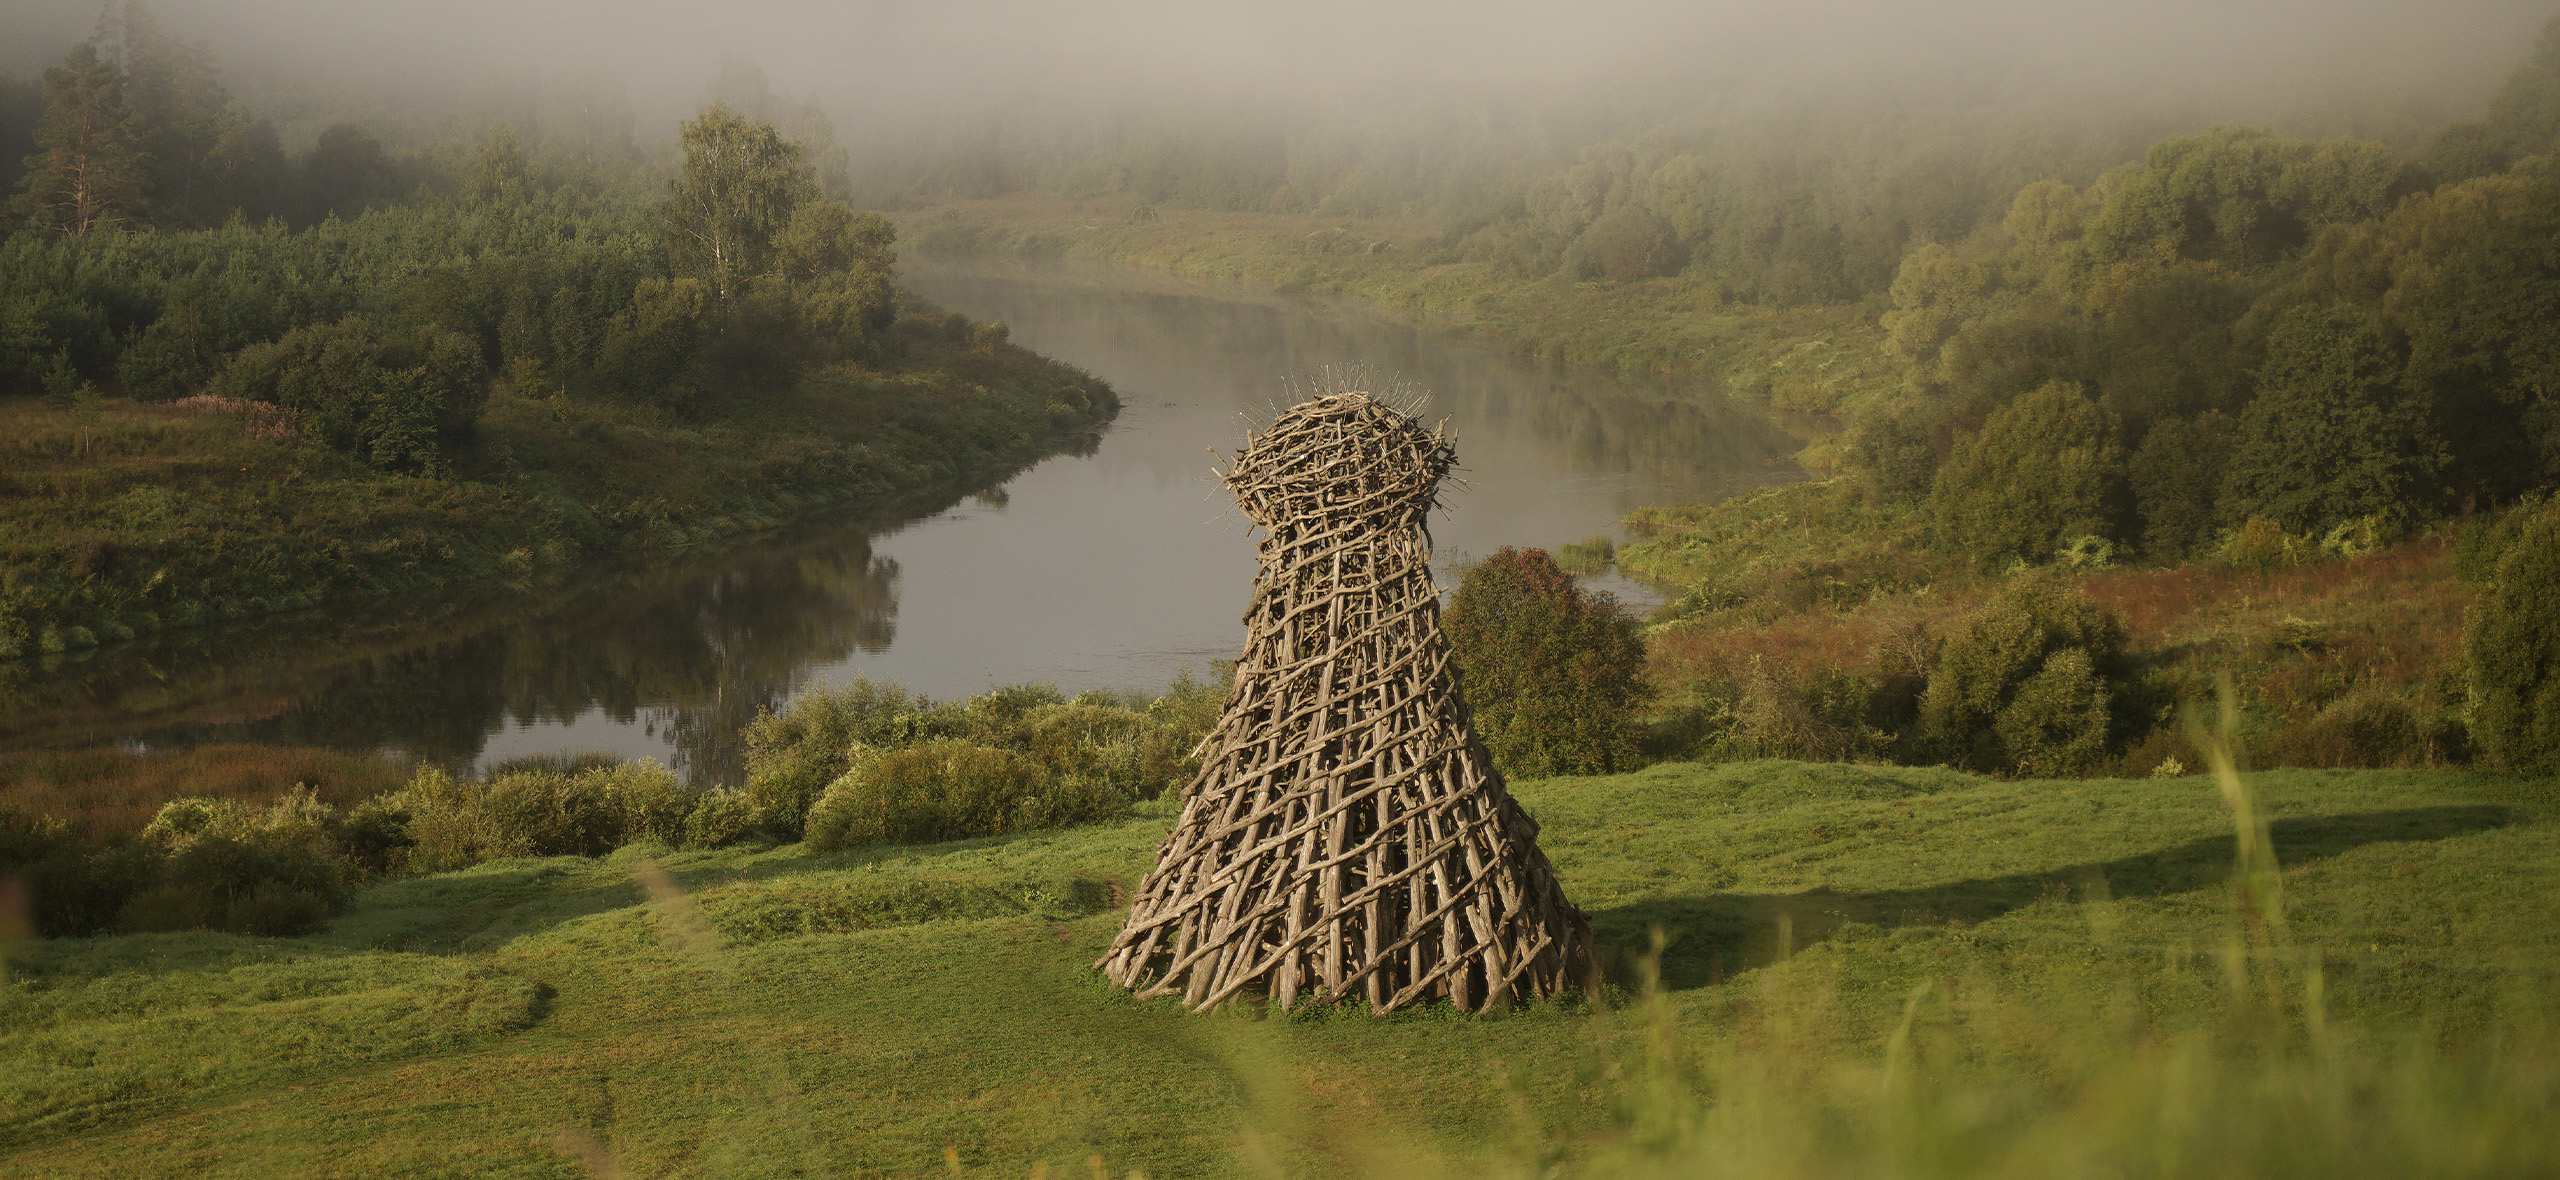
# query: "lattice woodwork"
(1348, 838)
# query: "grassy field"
(1868, 971)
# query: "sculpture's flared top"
(1340, 455)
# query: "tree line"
(161, 245)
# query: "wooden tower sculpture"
(1348, 838)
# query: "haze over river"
(1116, 568)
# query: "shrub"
(2511, 644)
(2042, 468)
(2365, 727)
(1554, 674)
(583, 806)
(947, 789)
(229, 867)
(2022, 683)
(397, 399)
(793, 755)
(2057, 722)
(2263, 545)
(1099, 742)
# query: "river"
(1116, 568)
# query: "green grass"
(1869, 971)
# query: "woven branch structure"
(1348, 838)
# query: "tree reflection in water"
(692, 649)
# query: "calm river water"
(1116, 568)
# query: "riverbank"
(1816, 359)
(135, 518)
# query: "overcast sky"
(884, 58)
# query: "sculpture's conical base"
(1348, 838)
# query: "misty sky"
(881, 60)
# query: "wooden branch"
(1348, 838)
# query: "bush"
(396, 399)
(2364, 728)
(2264, 546)
(793, 755)
(2057, 723)
(585, 806)
(2022, 683)
(2511, 644)
(948, 789)
(2042, 468)
(1554, 675)
(228, 867)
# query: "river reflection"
(1117, 567)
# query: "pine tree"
(89, 169)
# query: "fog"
(880, 65)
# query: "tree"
(89, 169)
(2329, 438)
(2043, 469)
(742, 183)
(2176, 477)
(397, 399)
(1934, 294)
(347, 172)
(2511, 642)
(182, 115)
(501, 177)
(1629, 242)
(1553, 674)
(2523, 120)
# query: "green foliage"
(1630, 242)
(2234, 195)
(2042, 469)
(1092, 747)
(948, 789)
(2328, 438)
(2022, 683)
(1554, 674)
(2511, 644)
(586, 806)
(398, 401)
(89, 168)
(2523, 120)
(793, 755)
(2176, 479)
(741, 187)
(1588, 557)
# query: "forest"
(495, 353)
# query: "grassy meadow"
(1862, 971)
